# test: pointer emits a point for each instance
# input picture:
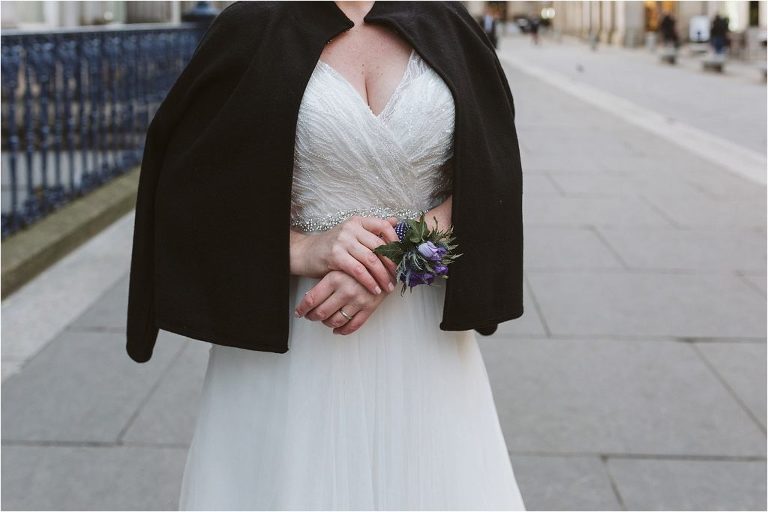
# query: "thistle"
(421, 254)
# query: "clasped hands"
(353, 277)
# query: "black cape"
(210, 256)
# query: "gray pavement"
(635, 380)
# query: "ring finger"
(337, 319)
(328, 306)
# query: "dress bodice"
(349, 161)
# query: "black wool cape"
(211, 253)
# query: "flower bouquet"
(421, 254)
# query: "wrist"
(297, 252)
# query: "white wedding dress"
(397, 415)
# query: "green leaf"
(391, 250)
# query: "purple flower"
(440, 270)
(431, 251)
(420, 278)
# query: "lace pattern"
(349, 161)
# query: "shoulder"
(454, 15)
(244, 11)
(236, 28)
(451, 11)
(242, 14)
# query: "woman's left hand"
(337, 290)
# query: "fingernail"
(378, 290)
(297, 313)
(391, 287)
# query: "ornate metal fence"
(75, 108)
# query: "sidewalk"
(634, 380)
(725, 105)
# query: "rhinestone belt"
(325, 222)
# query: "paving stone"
(607, 183)
(83, 387)
(743, 366)
(574, 144)
(584, 396)
(713, 213)
(596, 211)
(538, 185)
(648, 304)
(555, 161)
(110, 311)
(757, 280)
(617, 70)
(690, 484)
(690, 249)
(10, 368)
(717, 183)
(638, 164)
(170, 414)
(91, 478)
(551, 247)
(564, 483)
(36, 313)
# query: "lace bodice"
(349, 161)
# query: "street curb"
(30, 251)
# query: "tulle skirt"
(398, 415)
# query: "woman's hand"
(335, 291)
(348, 247)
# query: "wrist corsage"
(421, 254)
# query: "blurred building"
(634, 23)
(44, 15)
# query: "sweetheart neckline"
(411, 59)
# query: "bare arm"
(347, 246)
(443, 214)
(297, 251)
(298, 239)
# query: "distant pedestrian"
(488, 22)
(718, 33)
(535, 30)
(668, 30)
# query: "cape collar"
(326, 19)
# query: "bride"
(373, 407)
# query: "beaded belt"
(325, 222)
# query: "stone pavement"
(635, 379)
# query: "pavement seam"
(600, 236)
(658, 209)
(555, 184)
(723, 381)
(743, 277)
(642, 456)
(634, 270)
(537, 306)
(650, 338)
(150, 392)
(91, 444)
(612, 481)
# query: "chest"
(414, 128)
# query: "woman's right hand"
(348, 247)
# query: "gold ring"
(345, 315)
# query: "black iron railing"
(75, 108)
